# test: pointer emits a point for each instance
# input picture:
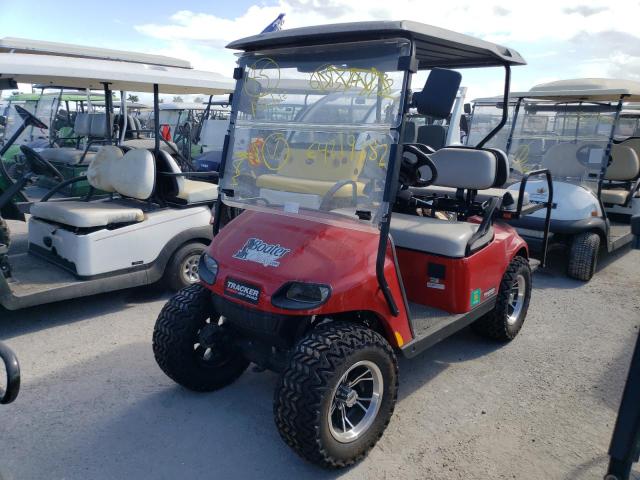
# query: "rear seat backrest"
(625, 164)
(466, 168)
(99, 125)
(82, 125)
(131, 175)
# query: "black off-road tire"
(304, 395)
(583, 256)
(496, 324)
(174, 337)
(5, 235)
(174, 277)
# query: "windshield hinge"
(408, 62)
(237, 73)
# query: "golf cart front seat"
(182, 190)
(624, 167)
(131, 175)
(458, 168)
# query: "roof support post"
(505, 110)
(156, 120)
(108, 107)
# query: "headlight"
(301, 296)
(208, 269)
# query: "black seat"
(433, 135)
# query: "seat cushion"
(614, 197)
(303, 185)
(432, 235)
(193, 191)
(86, 214)
(148, 143)
(67, 155)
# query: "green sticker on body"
(475, 296)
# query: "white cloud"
(587, 28)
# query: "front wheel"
(337, 394)
(182, 269)
(191, 344)
(583, 256)
(505, 320)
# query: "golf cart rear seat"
(131, 175)
(508, 198)
(460, 168)
(624, 167)
(93, 127)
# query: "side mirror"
(439, 93)
(464, 124)
(467, 108)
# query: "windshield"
(313, 127)
(568, 139)
(628, 126)
(485, 117)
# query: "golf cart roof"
(85, 73)
(584, 89)
(39, 47)
(435, 47)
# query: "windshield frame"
(394, 129)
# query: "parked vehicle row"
(349, 227)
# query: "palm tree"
(133, 98)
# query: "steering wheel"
(39, 165)
(12, 367)
(410, 172)
(327, 197)
(29, 118)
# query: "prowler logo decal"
(267, 254)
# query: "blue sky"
(559, 38)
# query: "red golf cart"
(341, 259)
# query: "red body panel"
(345, 259)
(462, 276)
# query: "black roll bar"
(505, 109)
(549, 205)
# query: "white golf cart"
(153, 221)
(573, 128)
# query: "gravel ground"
(95, 405)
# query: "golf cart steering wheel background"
(38, 165)
(29, 118)
(410, 172)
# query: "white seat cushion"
(86, 214)
(615, 197)
(149, 144)
(67, 156)
(193, 191)
(432, 235)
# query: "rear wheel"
(182, 269)
(337, 394)
(506, 319)
(583, 256)
(191, 344)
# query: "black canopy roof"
(435, 47)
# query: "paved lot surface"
(95, 405)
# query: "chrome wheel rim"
(190, 269)
(516, 299)
(355, 401)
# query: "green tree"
(177, 99)
(133, 98)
